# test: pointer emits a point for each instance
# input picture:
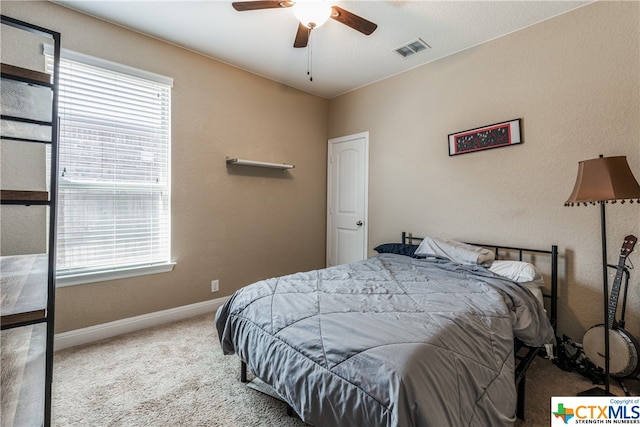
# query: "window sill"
(103, 276)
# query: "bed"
(403, 338)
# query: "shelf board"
(24, 286)
(242, 162)
(19, 196)
(23, 375)
(25, 74)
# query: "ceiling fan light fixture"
(312, 14)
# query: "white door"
(347, 190)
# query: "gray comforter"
(388, 341)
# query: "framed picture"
(486, 137)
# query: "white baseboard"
(131, 324)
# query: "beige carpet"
(176, 375)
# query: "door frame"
(365, 170)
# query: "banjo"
(623, 347)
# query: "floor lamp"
(599, 181)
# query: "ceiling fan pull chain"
(310, 59)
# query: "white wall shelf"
(242, 162)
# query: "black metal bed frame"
(524, 360)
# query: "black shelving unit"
(29, 116)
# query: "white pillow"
(459, 252)
(518, 271)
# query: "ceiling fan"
(311, 14)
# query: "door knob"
(359, 223)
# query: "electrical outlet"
(215, 285)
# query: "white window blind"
(114, 162)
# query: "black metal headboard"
(408, 238)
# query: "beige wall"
(235, 225)
(575, 81)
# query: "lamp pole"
(605, 284)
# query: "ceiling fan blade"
(302, 36)
(354, 21)
(256, 5)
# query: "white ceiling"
(342, 59)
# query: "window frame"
(71, 278)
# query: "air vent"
(412, 47)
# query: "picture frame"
(486, 137)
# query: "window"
(114, 181)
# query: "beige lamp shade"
(604, 179)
